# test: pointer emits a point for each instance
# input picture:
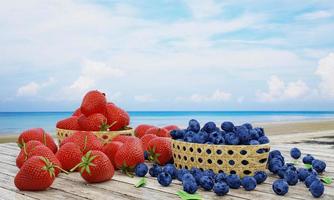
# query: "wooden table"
(72, 186)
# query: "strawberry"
(69, 155)
(160, 132)
(123, 138)
(146, 139)
(141, 129)
(94, 122)
(23, 155)
(160, 150)
(37, 134)
(129, 155)
(117, 117)
(70, 123)
(37, 173)
(93, 102)
(110, 150)
(171, 127)
(77, 112)
(85, 140)
(96, 167)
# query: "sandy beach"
(271, 128)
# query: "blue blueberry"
(318, 165)
(188, 139)
(295, 153)
(260, 131)
(177, 134)
(280, 187)
(190, 186)
(200, 137)
(141, 169)
(317, 189)
(254, 142)
(244, 135)
(233, 181)
(155, 170)
(303, 174)
(254, 134)
(260, 176)
(171, 170)
(209, 127)
(209, 173)
(291, 177)
(227, 126)
(248, 183)
(248, 126)
(189, 134)
(263, 140)
(308, 159)
(206, 182)
(180, 173)
(310, 179)
(221, 188)
(231, 139)
(281, 171)
(194, 125)
(275, 165)
(188, 177)
(216, 138)
(146, 155)
(164, 179)
(220, 177)
(274, 153)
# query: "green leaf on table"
(308, 166)
(327, 180)
(141, 182)
(186, 196)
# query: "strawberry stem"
(61, 169)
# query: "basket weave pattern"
(230, 159)
(103, 136)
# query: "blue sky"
(167, 55)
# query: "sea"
(16, 122)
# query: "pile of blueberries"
(229, 134)
(289, 175)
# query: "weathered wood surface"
(121, 187)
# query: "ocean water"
(16, 122)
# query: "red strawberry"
(37, 134)
(171, 127)
(160, 132)
(160, 150)
(23, 155)
(117, 117)
(123, 138)
(146, 139)
(141, 129)
(77, 112)
(129, 155)
(96, 167)
(85, 140)
(110, 150)
(70, 123)
(93, 102)
(37, 173)
(94, 122)
(69, 155)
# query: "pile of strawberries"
(96, 114)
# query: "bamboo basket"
(243, 160)
(103, 136)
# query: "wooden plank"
(9, 195)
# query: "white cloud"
(321, 14)
(33, 88)
(216, 96)
(325, 71)
(278, 90)
(202, 9)
(145, 98)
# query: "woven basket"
(231, 159)
(103, 136)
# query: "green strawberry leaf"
(186, 196)
(327, 180)
(141, 182)
(308, 166)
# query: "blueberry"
(209, 173)
(264, 140)
(164, 179)
(197, 173)
(190, 186)
(244, 135)
(291, 177)
(209, 127)
(177, 134)
(141, 170)
(155, 170)
(308, 159)
(318, 165)
(280, 187)
(221, 188)
(275, 165)
(231, 138)
(254, 134)
(303, 174)
(188, 139)
(254, 142)
(281, 171)
(187, 177)
(310, 179)
(317, 189)
(146, 155)
(260, 131)
(291, 166)
(220, 177)
(233, 181)
(189, 134)
(248, 126)
(260, 176)
(194, 125)
(227, 126)
(206, 182)
(274, 153)
(295, 153)
(216, 138)
(171, 170)
(180, 173)
(248, 182)
(199, 137)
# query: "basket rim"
(105, 132)
(223, 145)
